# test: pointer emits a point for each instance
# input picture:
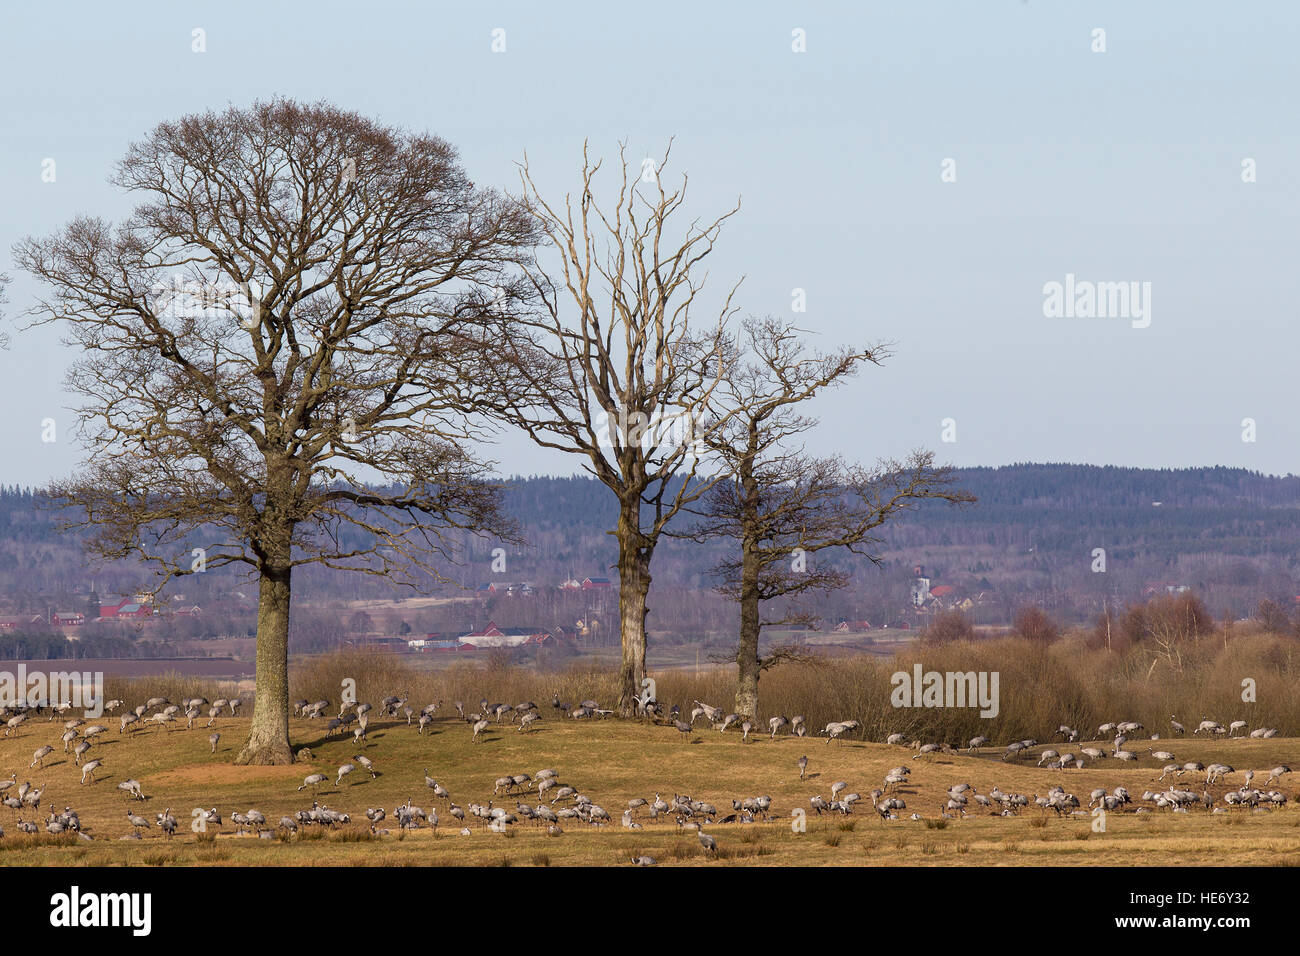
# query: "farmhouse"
(493, 636)
(126, 609)
(67, 619)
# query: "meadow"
(612, 761)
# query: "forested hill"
(1032, 531)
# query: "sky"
(923, 171)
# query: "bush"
(1273, 618)
(949, 626)
(1036, 626)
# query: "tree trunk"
(268, 739)
(633, 590)
(747, 661)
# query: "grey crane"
(313, 780)
(479, 727)
(709, 844)
(344, 770)
(776, 723)
(140, 823)
(213, 740)
(803, 766)
(131, 788)
(167, 823)
(40, 754)
(708, 711)
(89, 768)
(366, 764)
(1178, 728)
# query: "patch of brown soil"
(224, 773)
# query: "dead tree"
(4, 334)
(613, 367)
(273, 366)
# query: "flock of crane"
(552, 803)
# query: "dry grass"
(612, 761)
(1041, 687)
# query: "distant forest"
(1230, 535)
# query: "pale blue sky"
(1123, 165)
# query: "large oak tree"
(275, 365)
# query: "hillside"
(1228, 534)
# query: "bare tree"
(781, 505)
(612, 367)
(252, 337)
(4, 335)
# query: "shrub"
(1036, 625)
(949, 626)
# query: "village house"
(377, 642)
(586, 584)
(11, 621)
(1167, 587)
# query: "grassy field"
(612, 761)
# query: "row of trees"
(1165, 623)
(293, 349)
